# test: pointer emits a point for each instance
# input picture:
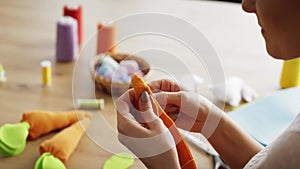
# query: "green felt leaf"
(48, 161)
(5, 150)
(13, 138)
(119, 161)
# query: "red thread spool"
(75, 11)
(106, 38)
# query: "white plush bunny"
(235, 90)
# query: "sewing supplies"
(89, 104)
(66, 40)
(290, 76)
(117, 72)
(106, 38)
(2, 74)
(75, 11)
(13, 138)
(130, 65)
(47, 161)
(46, 72)
(120, 161)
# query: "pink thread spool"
(66, 40)
(106, 38)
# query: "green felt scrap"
(119, 161)
(5, 150)
(48, 161)
(13, 138)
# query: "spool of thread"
(46, 72)
(290, 76)
(66, 40)
(2, 74)
(106, 38)
(75, 11)
(107, 60)
(121, 75)
(131, 66)
(90, 104)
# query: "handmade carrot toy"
(64, 143)
(33, 125)
(43, 122)
(184, 154)
(57, 150)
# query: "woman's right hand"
(188, 110)
(195, 113)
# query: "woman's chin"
(277, 53)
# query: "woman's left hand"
(144, 133)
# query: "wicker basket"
(117, 87)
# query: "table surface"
(28, 33)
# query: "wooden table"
(27, 36)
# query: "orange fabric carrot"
(184, 154)
(43, 122)
(64, 143)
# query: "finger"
(173, 115)
(128, 96)
(172, 111)
(147, 113)
(164, 85)
(126, 123)
(168, 98)
(189, 104)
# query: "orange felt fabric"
(64, 143)
(43, 122)
(184, 154)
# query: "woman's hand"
(144, 133)
(189, 110)
(195, 113)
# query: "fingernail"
(144, 97)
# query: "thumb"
(146, 111)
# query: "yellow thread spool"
(2, 74)
(290, 76)
(46, 72)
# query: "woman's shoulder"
(284, 152)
